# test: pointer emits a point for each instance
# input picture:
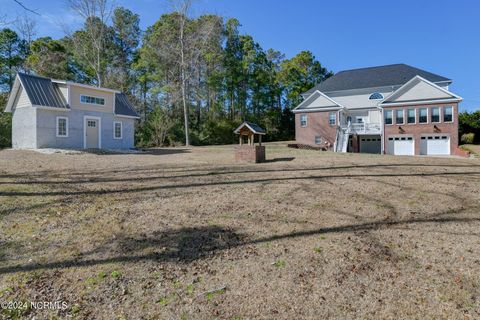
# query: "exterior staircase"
(341, 141)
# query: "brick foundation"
(248, 153)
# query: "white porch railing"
(365, 128)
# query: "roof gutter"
(419, 102)
(125, 116)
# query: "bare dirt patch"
(190, 234)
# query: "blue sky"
(439, 36)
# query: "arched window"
(376, 96)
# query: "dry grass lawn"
(190, 234)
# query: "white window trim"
(335, 114)
(306, 120)
(384, 118)
(66, 127)
(439, 115)
(414, 114)
(428, 115)
(92, 104)
(121, 130)
(403, 112)
(453, 114)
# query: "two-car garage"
(436, 144)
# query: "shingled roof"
(255, 128)
(373, 77)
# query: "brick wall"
(418, 129)
(317, 125)
(249, 153)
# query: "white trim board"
(121, 130)
(313, 97)
(397, 92)
(56, 126)
(125, 116)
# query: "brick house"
(394, 109)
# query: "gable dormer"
(419, 90)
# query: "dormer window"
(92, 100)
(376, 96)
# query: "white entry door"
(435, 145)
(92, 137)
(401, 146)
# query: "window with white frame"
(318, 140)
(332, 118)
(62, 127)
(423, 115)
(448, 114)
(399, 118)
(411, 116)
(388, 117)
(117, 130)
(303, 120)
(92, 100)
(435, 114)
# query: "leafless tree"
(26, 27)
(191, 40)
(97, 14)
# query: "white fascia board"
(321, 94)
(237, 131)
(51, 108)
(306, 110)
(412, 80)
(13, 94)
(91, 87)
(125, 116)
(420, 102)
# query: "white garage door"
(435, 145)
(401, 146)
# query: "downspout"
(382, 131)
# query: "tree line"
(192, 79)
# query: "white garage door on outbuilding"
(435, 145)
(401, 146)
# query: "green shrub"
(467, 138)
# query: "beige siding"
(355, 101)
(374, 116)
(420, 90)
(319, 101)
(22, 99)
(77, 91)
(64, 90)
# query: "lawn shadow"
(186, 245)
(285, 159)
(148, 151)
